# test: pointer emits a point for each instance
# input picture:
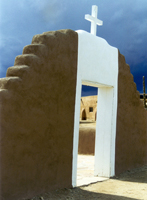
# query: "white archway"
(98, 66)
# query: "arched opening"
(84, 114)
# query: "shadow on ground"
(78, 194)
(87, 122)
(138, 175)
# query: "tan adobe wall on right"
(131, 130)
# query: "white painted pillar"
(104, 132)
(76, 130)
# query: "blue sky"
(124, 27)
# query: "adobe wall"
(86, 102)
(131, 133)
(86, 140)
(37, 100)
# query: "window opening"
(90, 109)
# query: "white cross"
(94, 20)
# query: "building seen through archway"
(88, 108)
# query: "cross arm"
(93, 19)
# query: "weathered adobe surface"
(37, 101)
(86, 140)
(131, 133)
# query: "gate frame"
(98, 67)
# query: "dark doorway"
(84, 114)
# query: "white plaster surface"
(98, 66)
(85, 171)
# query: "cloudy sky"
(124, 27)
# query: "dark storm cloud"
(20, 20)
(125, 26)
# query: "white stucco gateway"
(98, 66)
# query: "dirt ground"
(131, 185)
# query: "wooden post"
(144, 95)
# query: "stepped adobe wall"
(37, 100)
(131, 130)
